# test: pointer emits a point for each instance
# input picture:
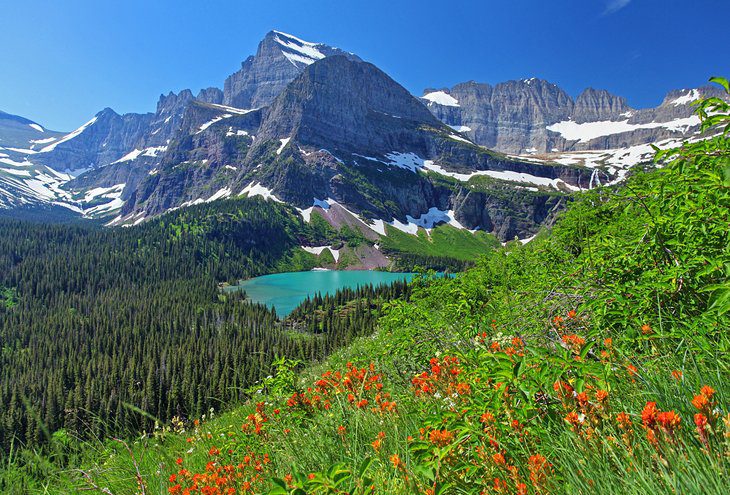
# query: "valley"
(339, 273)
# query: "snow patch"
(588, 131)
(459, 138)
(409, 161)
(134, 154)
(42, 141)
(692, 95)
(317, 250)
(37, 127)
(297, 50)
(284, 142)
(256, 189)
(461, 128)
(441, 98)
(112, 192)
(68, 136)
(221, 193)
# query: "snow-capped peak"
(692, 95)
(297, 50)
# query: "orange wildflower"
(441, 438)
(649, 414)
(669, 420)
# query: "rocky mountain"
(344, 134)
(317, 128)
(25, 182)
(117, 151)
(279, 59)
(534, 116)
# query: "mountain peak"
(344, 103)
(279, 59)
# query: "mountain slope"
(535, 116)
(344, 133)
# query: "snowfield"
(441, 98)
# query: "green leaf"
(722, 82)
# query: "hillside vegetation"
(592, 360)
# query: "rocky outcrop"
(279, 59)
(598, 104)
(344, 130)
(531, 116)
(103, 140)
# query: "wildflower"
(700, 421)
(646, 329)
(213, 451)
(538, 467)
(649, 414)
(487, 418)
(396, 461)
(700, 402)
(174, 489)
(601, 396)
(574, 420)
(499, 459)
(572, 313)
(463, 389)
(310, 476)
(707, 391)
(623, 420)
(499, 485)
(701, 424)
(651, 437)
(441, 438)
(677, 375)
(669, 420)
(179, 461)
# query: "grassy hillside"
(442, 241)
(592, 360)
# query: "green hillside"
(592, 360)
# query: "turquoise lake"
(284, 291)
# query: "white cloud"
(615, 5)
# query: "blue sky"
(63, 61)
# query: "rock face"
(344, 130)
(316, 127)
(279, 59)
(105, 138)
(110, 137)
(534, 116)
(597, 104)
